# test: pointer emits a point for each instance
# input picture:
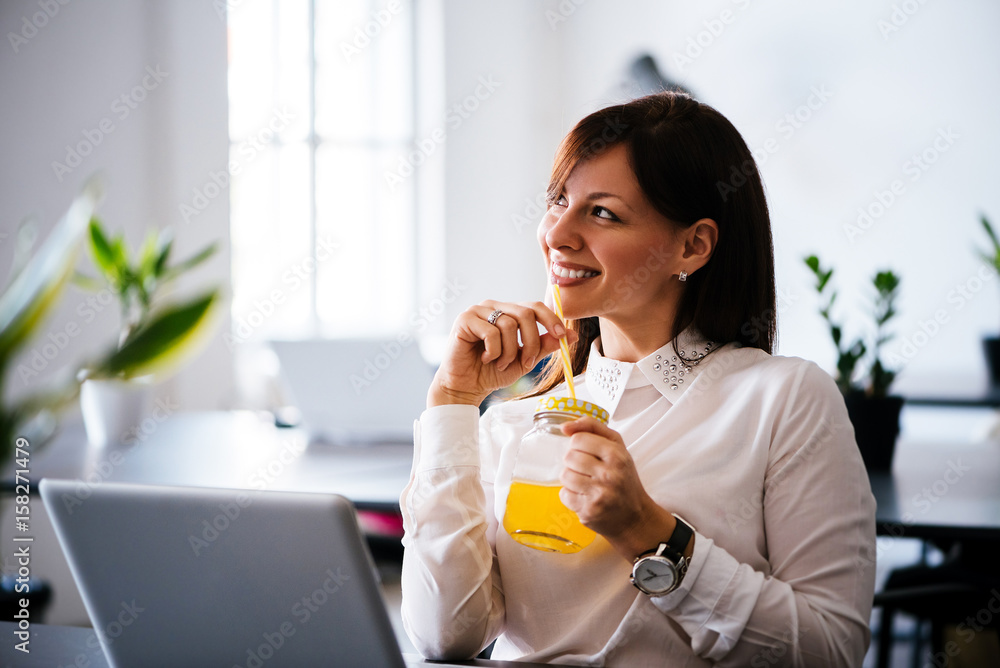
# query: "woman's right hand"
(482, 357)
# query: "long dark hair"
(691, 163)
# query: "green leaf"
(824, 278)
(104, 257)
(813, 263)
(189, 263)
(166, 242)
(146, 265)
(992, 234)
(88, 283)
(33, 293)
(168, 336)
(120, 253)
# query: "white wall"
(553, 61)
(892, 92)
(60, 81)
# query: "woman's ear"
(699, 243)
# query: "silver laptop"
(356, 391)
(179, 576)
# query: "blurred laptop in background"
(355, 391)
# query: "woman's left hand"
(601, 485)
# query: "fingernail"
(530, 363)
(559, 331)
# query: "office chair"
(950, 594)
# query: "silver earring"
(683, 276)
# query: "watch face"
(655, 574)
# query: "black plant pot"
(991, 348)
(876, 427)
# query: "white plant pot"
(112, 407)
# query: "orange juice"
(535, 517)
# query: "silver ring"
(493, 316)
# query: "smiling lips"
(563, 275)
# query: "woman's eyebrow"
(601, 195)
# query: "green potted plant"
(991, 344)
(873, 411)
(112, 400)
(169, 334)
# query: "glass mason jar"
(535, 517)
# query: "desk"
(53, 646)
(238, 450)
(945, 481)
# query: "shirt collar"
(670, 370)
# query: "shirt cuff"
(714, 601)
(446, 436)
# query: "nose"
(559, 229)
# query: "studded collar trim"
(669, 370)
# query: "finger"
(583, 462)
(576, 482)
(527, 323)
(508, 326)
(571, 499)
(587, 424)
(552, 323)
(507, 323)
(473, 328)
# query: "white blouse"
(755, 452)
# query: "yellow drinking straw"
(563, 346)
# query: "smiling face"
(611, 253)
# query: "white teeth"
(563, 272)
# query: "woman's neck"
(635, 343)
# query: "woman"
(737, 470)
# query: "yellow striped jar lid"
(571, 405)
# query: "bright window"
(321, 101)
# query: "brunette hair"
(691, 163)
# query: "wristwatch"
(661, 570)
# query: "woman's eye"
(559, 201)
(601, 212)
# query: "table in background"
(945, 481)
(237, 450)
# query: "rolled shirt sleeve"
(452, 598)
